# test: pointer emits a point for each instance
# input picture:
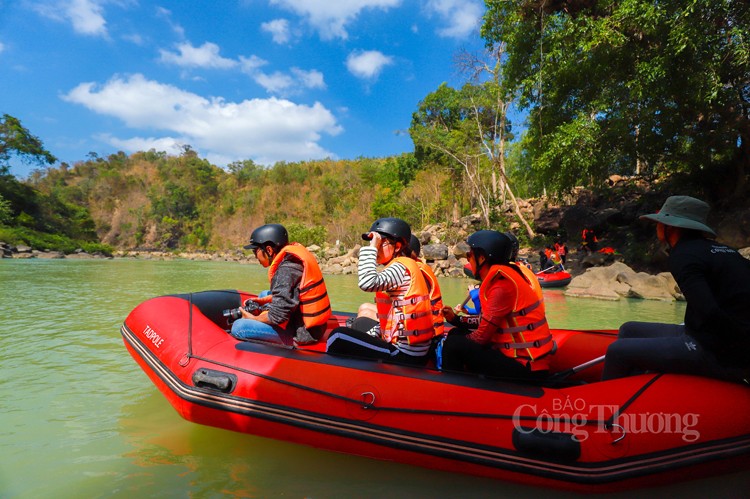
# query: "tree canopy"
(16, 140)
(628, 87)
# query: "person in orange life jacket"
(511, 337)
(436, 297)
(589, 241)
(405, 318)
(562, 249)
(554, 262)
(367, 314)
(297, 308)
(714, 340)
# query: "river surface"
(81, 420)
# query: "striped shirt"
(394, 280)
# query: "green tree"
(469, 129)
(5, 213)
(629, 87)
(16, 140)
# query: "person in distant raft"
(405, 318)
(714, 340)
(511, 337)
(297, 308)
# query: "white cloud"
(250, 64)
(275, 82)
(463, 17)
(330, 17)
(367, 64)
(265, 130)
(205, 56)
(288, 84)
(167, 15)
(170, 145)
(2, 47)
(279, 29)
(310, 79)
(86, 16)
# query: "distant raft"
(554, 279)
(572, 432)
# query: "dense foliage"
(628, 87)
(152, 200)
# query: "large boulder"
(620, 281)
(432, 252)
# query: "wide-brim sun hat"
(685, 212)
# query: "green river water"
(81, 420)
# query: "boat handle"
(365, 404)
(217, 380)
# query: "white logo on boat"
(152, 335)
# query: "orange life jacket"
(313, 295)
(585, 232)
(533, 280)
(552, 256)
(560, 248)
(409, 315)
(523, 334)
(436, 299)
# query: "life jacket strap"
(408, 301)
(526, 310)
(527, 344)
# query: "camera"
(250, 306)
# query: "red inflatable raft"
(572, 432)
(553, 279)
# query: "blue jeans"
(249, 329)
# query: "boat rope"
(608, 423)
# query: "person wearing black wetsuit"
(714, 340)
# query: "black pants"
(355, 343)
(462, 354)
(666, 348)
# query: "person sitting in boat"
(367, 314)
(714, 340)
(436, 297)
(554, 262)
(511, 338)
(297, 308)
(405, 317)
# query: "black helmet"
(513, 256)
(495, 245)
(273, 234)
(415, 245)
(394, 228)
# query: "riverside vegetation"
(609, 136)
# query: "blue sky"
(267, 80)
